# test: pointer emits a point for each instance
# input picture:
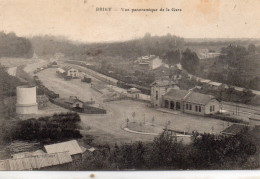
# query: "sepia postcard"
(129, 86)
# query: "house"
(74, 102)
(70, 71)
(190, 102)
(149, 62)
(158, 89)
(133, 93)
(72, 147)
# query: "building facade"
(190, 102)
(158, 89)
(70, 71)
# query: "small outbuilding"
(72, 147)
(134, 93)
(70, 71)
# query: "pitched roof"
(176, 94)
(67, 68)
(199, 98)
(70, 146)
(35, 162)
(188, 96)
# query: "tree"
(190, 61)
(251, 49)
(172, 57)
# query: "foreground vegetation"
(58, 127)
(164, 153)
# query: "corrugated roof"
(35, 162)
(27, 154)
(70, 146)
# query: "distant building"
(75, 102)
(133, 93)
(72, 147)
(70, 71)
(71, 103)
(149, 62)
(190, 102)
(158, 89)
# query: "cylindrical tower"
(26, 100)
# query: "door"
(178, 105)
(172, 105)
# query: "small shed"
(74, 102)
(72, 146)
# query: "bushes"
(165, 152)
(57, 127)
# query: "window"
(187, 106)
(213, 108)
(196, 108)
(190, 107)
(156, 95)
(199, 108)
(210, 109)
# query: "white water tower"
(26, 100)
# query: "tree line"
(14, 46)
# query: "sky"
(78, 19)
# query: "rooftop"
(70, 146)
(176, 94)
(199, 98)
(68, 67)
(35, 162)
(189, 96)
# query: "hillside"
(14, 46)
